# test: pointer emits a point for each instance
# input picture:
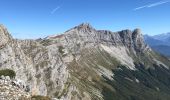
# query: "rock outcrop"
(5, 37)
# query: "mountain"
(153, 41)
(160, 43)
(88, 64)
(163, 49)
(163, 37)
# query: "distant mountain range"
(160, 43)
(163, 37)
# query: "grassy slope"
(148, 82)
(153, 80)
(152, 84)
(84, 74)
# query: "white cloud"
(151, 5)
(55, 9)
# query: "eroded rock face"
(4, 36)
(138, 40)
(71, 66)
(85, 33)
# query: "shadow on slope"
(140, 84)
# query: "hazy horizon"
(39, 18)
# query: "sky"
(31, 19)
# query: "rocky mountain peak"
(84, 27)
(128, 38)
(133, 39)
(138, 40)
(138, 30)
(4, 36)
(137, 34)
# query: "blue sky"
(40, 18)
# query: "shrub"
(46, 42)
(38, 97)
(60, 49)
(8, 72)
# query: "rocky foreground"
(9, 91)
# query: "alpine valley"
(88, 64)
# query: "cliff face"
(80, 64)
(4, 36)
